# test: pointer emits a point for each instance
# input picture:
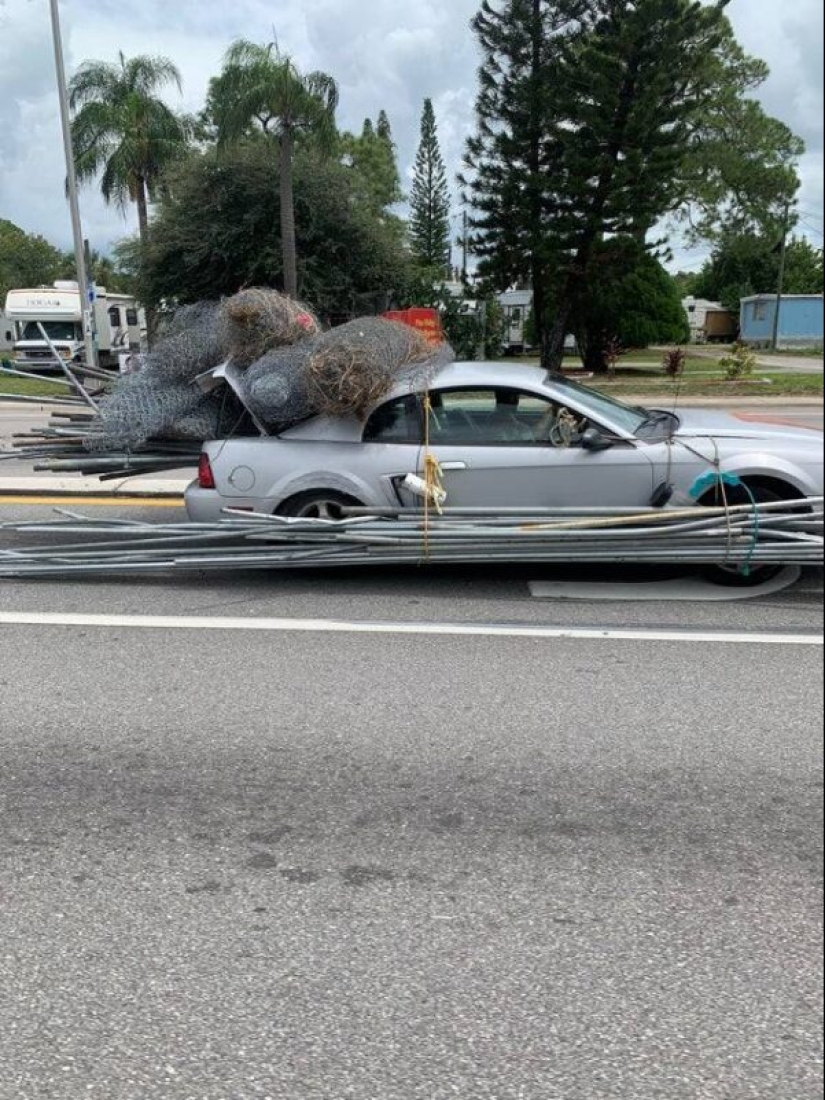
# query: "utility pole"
(71, 184)
(781, 283)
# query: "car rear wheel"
(320, 504)
(732, 575)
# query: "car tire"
(318, 504)
(731, 576)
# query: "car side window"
(398, 421)
(501, 418)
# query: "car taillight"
(206, 479)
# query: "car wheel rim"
(321, 509)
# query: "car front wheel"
(733, 576)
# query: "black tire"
(731, 576)
(318, 504)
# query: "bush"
(738, 363)
(673, 362)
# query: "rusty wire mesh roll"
(275, 386)
(256, 320)
(355, 365)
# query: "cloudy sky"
(384, 54)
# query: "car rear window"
(398, 421)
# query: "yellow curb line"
(106, 502)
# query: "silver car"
(505, 435)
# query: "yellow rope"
(434, 486)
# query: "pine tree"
(586, 109)
(430, 199)
(383, 128)
(512, 161)
(373, 156)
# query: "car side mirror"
(593, 440)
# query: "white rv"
(118, 324)
(7, 335)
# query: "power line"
(812, 228)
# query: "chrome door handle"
(453, 465)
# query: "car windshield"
(55, 330)
(628, 417)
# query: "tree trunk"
(552, 351)
(288, 249)
(594, 228)
(142, 210)
(594, 355)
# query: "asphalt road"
(311, 866)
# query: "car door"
(504, 447)
(391, 447)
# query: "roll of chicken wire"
(192, 343)
(275, 386)
(353, 366)
(256, 320)
(139, 410)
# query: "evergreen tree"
(383, 128)
(586, 113)
(430, 199)
(373, 157)
(748, 263)
(629, 298)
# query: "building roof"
(785, 297)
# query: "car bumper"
(208, 506)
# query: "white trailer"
(118, 321)
(517, 306)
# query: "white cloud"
(383, 54)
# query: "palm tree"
(124, 131)
(260, 88)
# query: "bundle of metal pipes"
(746, 536)
(59, 447)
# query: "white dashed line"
(455, 630)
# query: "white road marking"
(342, 626)
(688, 589)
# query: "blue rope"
(716, 477)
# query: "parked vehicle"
(7, 336)
(721, 326)
(118, 323)
(505, 435)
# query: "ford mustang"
(507, 435)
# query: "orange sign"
(426, 321)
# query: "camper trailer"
(517, 305)
(118, 325)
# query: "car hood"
(695, 423)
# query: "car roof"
(480, 374)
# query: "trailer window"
(131, 317)
(114, 316)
